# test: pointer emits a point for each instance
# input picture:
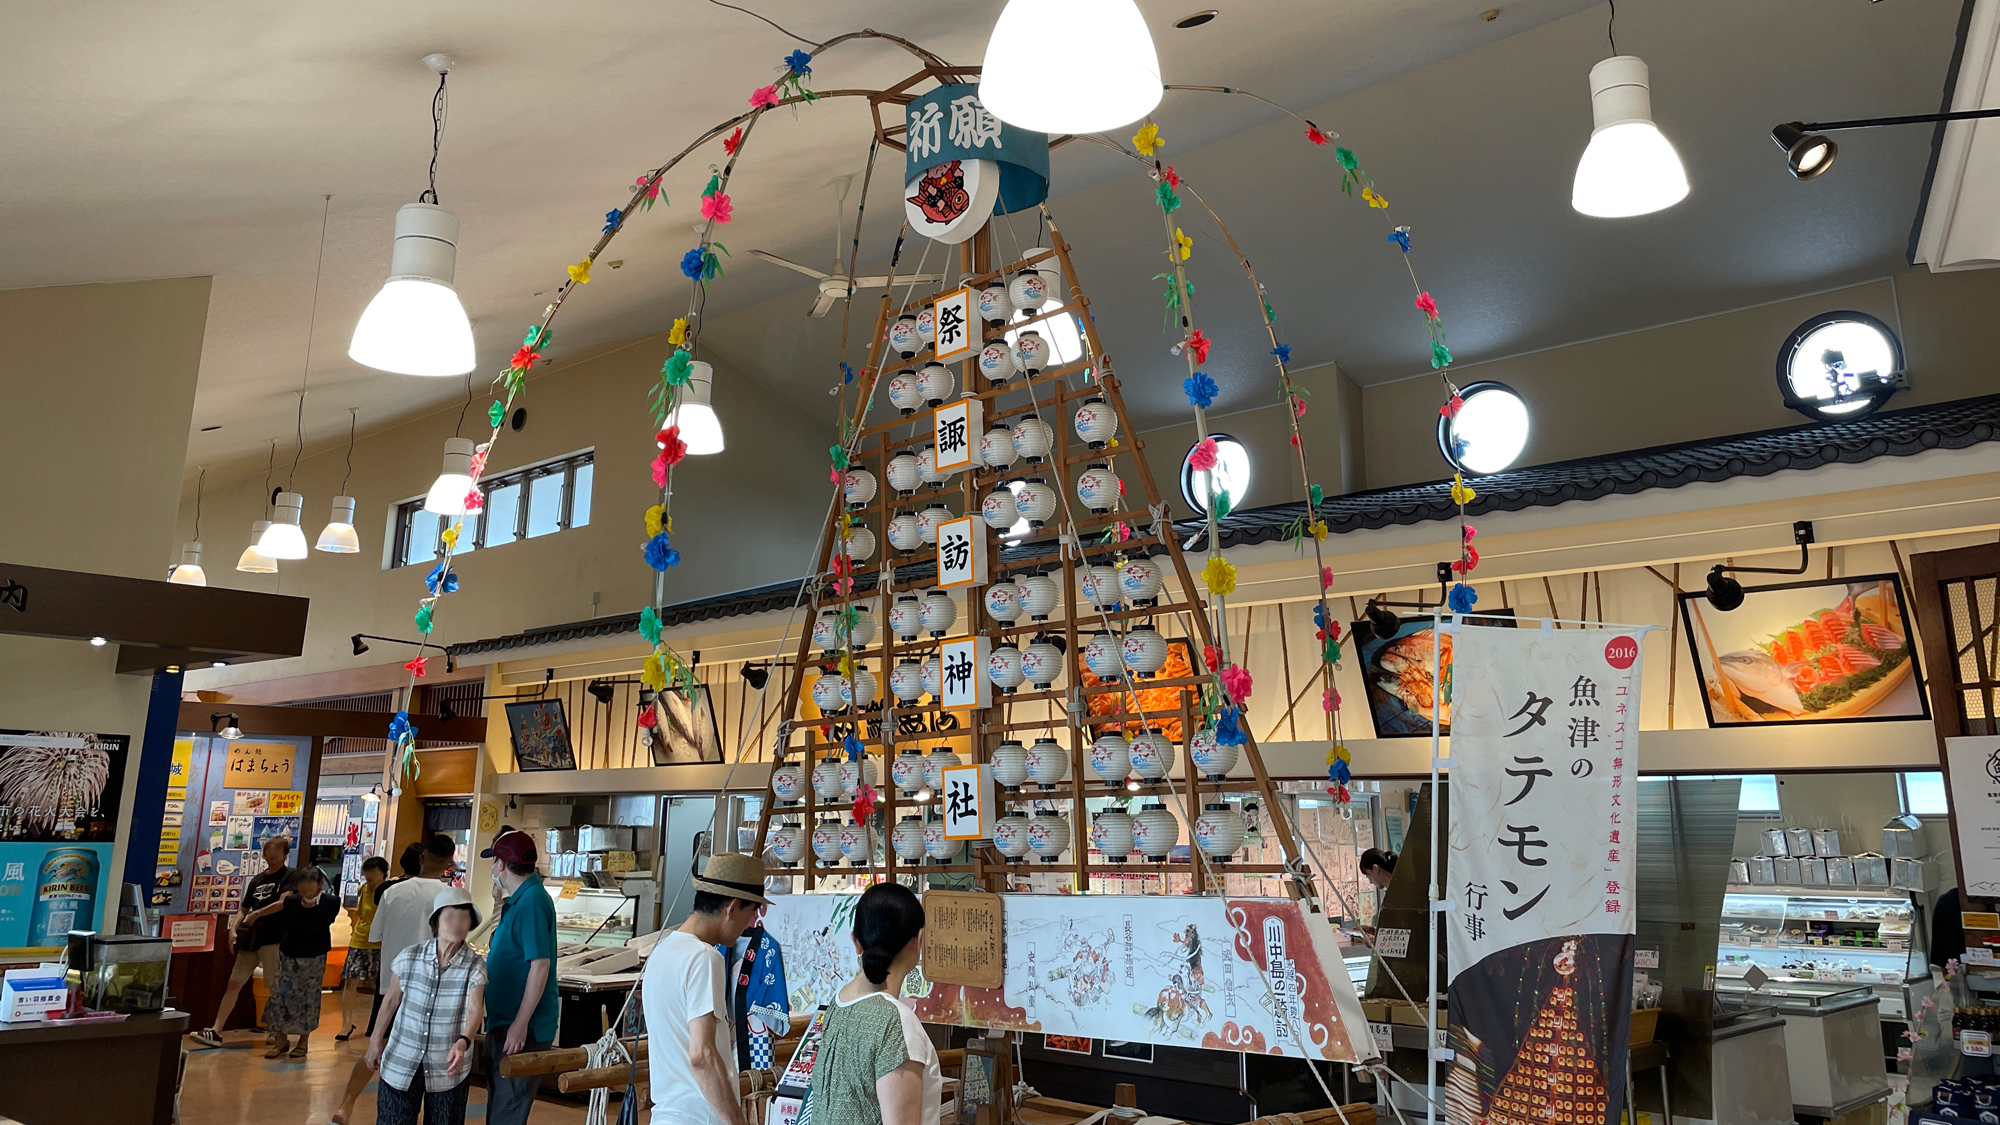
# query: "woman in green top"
(876, 1064)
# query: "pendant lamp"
(283, 538)
(448, 491)
(1070, 66)
(189, 571)
(338, 537)
(254, 561)
(1629, 168)
(416, 325)
(700, 428)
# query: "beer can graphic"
(65, 896)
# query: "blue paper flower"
(799, 62)
(659, 555)
(1340, 773)
(1283, 352)
(852, 745)
(611, 218)
(1200, 389)
(441, 581)
(400, 728)
(1227, 730)
(1462, 598)
(846, 372)
(1319, 616)
(1401, 237)
(691, 263)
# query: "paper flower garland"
(764, 96)
(1219, 576)
(659, 555)
(416, 666)
(580, 272)
(1183, 244)
(1462, 598)
(1202, 457)
(1199, 345)
(1200, 389)
(1147, 140)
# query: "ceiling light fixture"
(189, 572)
(602, 691)
(224, 723)
(360, 646)
(1629, 168)
(756, 677)
(416, 325)
(1806, 154)
(253, 560)
(285, 538)
(694, 414)
(1231, 474)
(1059, 66)
(98, 642)
(1490, 430)
(454, 481)
(338, 537)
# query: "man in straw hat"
(688, 1034)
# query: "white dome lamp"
(284, 539)
(693, 413)
(448, 491)
(338, 537)
(189, 572)
(416, 325)
(1630, 168)
(253, 561)
(1060, 66)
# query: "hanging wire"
(773, 23)
(270, 460)
(440, 109)
(1611, 26)
(312, 321)
(198, 482)
(456, 431)
(353, 415)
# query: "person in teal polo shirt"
(520, 976)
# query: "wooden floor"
(236, 1085)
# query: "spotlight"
(373, 796)
(1806, 154)
(756, 677)
(1383, 621)
(445, 711)
(360, 646)
(228, 728)
(602, 691)
(98, 642)
(1724, 593)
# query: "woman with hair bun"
(876, 1064)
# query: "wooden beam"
(328, 723)
(155, 624)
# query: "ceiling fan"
(836, 285)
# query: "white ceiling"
(148, 141)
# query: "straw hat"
(734, 876)
(453, 896)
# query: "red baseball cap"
(511, 846)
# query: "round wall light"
(1231, 473)
(1490, 431)
(1839, 365)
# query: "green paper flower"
(1440, 355)
(1333, 652)
(424, 618)
(1346, 158)
(537, 335)
(649, 625)
(496, 412)
(839, 455)
(678, 366)
(1318, 494)
(1164, 192)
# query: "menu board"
(962, 938)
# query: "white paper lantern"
(828, 635)
(904, 475)
(934, 676)
(934, 764)
(906, 391)
(1099, 488)
(996, 446)
(1041, 662)
(1004, 667)
(1219, 830)
(1047, 763)
(1096, 422)
(907, 771)
(928, 521)
(1104, 655)
(906, 617)
(1031, 352)
(906, 531)
(927, 469)
(1140, 580)
(862, 632)
(1010, 835)
(935, 845)
(860, 542)
(857, 844)
(1032, 438)
(788, 782)
(903, 338)
(1037, 501)
(1010, 765)
(1214, 759)
(1003, 602)
(927, 325)
(1152, 755)
(829, 692)
(788, 843)
(1039, 595)
(1111, 758)
(853, 775)
(858, 486)
(908, 838)
(1145, 650)
(1111, 832)
(826, 779)
(862, 687)
(996, 362)
(826, 840)
(1155, 832)
(1100, 586)
(1048, 836)
(1000, 510)
(994, 305)
(906, 683)
(940, 613)
(938, 383)
(1027, 291)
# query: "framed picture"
(1120, 1049)
(684, 730)
(1823, 651)
(1396, 671)
(541, 735)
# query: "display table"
(106, 1073)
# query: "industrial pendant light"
(1070, 66)
(416, 325)
(448, 491)
(189, 571)
(700, 428)
(253, 559)
(1629, 168)
(338, 537)
(285, 538)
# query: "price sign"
(1647, 959)
(257, 765)
(1978, 1044)
(1392, 942)
(954, 428)
(961, 552)
(191, 933)
(1383, 1033)
(962, 667)
(954, 326)
(570, 887)
(968, 802)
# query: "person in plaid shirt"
(422, 1045)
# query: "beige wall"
(1332, 438)
(98, 382)
(743, 518)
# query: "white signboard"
(1544, 786)
(955, 428)
(961, 552)
(1974, 763)
(962, 672)
(1392, 942)
(968, 802)
(955, 339)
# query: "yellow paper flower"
(1373, 199)
(1111, 443)
(678, 335)
(450, 536)
(654, 517)
(847, 667)
(1147, 139)
(1184, 244)
(1461, 492)
(1319, 530)
(655, 675)
(580, 272)
(1220, 575)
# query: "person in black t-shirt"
(256, 939)
(307, 914)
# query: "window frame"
(565, 467)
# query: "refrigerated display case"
(1847, 937)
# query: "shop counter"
(121, 1073)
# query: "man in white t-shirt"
(690, 1042)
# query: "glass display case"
(1835, 940)
(594, 916)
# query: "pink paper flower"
(478, 463)
(474, 501)
(1329, 700)
(764, 95)
(1427, 306)
(1326, 578)
(715, 207)
(1237, 682)
(1298, 407)
(1202, 457)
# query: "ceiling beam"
(155, 624)
(328, 723)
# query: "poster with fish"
(1807, 652)
(1396, 670)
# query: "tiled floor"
(236, 1085)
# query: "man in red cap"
(520, 975)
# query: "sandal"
(345, 1035)
(275, 1053)
(299, 1051)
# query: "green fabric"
(863, 1042)
(526, 932)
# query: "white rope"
(607, 1051)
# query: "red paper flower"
(1199, 344)
(1173, 177)
(1202, 457)
(478, 463)
(474, 501)
(1236, 681)
(1295, 441)
(525, 357)
(730, 142)
(652, 185)
(764, 95)
(1315, 136)
(715, 207)
(1427, 306)
(1326, 578)
(1211, 657)
(864, 802)
(672, 448)
(649, 718)
(1451, 407)
(416, 667)
(1298, 406)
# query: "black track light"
(756, 676)
(1724, 593)
(1806, 154)
(602, 691)
(360, 646)
(224, 724)
(1383, 620)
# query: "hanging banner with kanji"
(1544, 815)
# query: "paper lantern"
(1155, 832)
(826, 840)
(907, 771)
(1214, 759)
(1010, 835)
(1145, 650)
(858, 486)
(1037, 501)
(927, 326)
(904, 475)
(1140, 580)
(906, 531)
(857, 844)
(906, 683)
(829, 692)
(906, 391)
(1111, 832)
(826, 779)
(1000, 510)
(1003, 602)
(934, 679)
(996, 446)
(1111, 758)
(934, 764)
(828, 634)
(1010, 765)
(1100, 588)
(788, 782)
(859, 544)
(1152, 755)
(996, 362)
(1031, 352)
(1004, 667)
(906, 617)
(1104, 655)
(1096, 422)
(788, 843)
(995, 307)
(940, 613)
(862, 632)
(1027, 291)
(861, 687)
(1041, 662)
(1048, 836)
(927, 469)
(1032, 438)
(1039, 595)
(903, 338)
(928, 520)
(853, 775)
(935, 845)
(1219, 830)
(938, 383)
(1048, 763)
(908, 838)
(1099, 488)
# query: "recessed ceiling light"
(1490, 14)
(97, 642)
(1197, 19)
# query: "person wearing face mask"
(422, 1045)
(293, 1008)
